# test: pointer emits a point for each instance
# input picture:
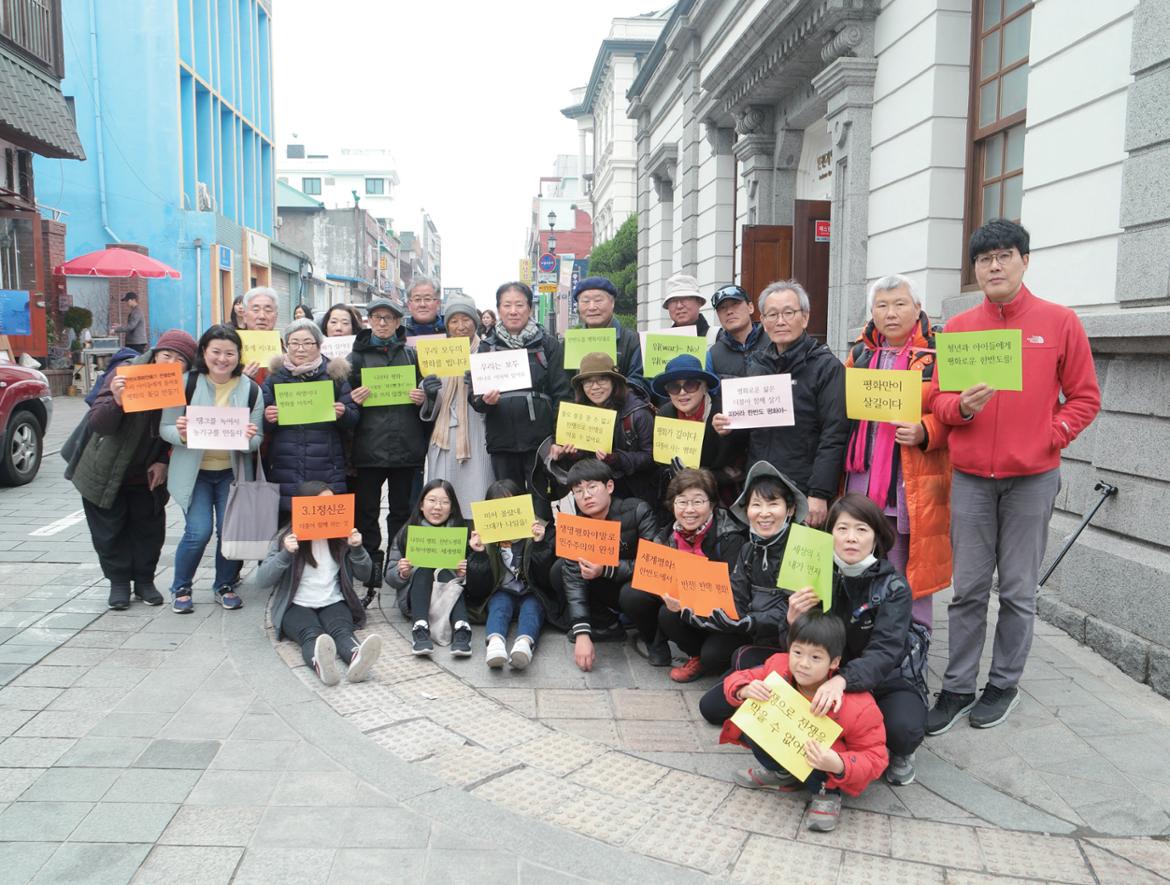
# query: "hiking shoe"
(609, 632)
(823, 812)
(901, 770)
(521, 655)
(947, 710)
(497, 652)
(688, 672)
(420, 640)
(325, 659)
(119, 599)
(363, 658)
(181, 602)
(763, 779)
(147, 592)
(226, 596)
(461, 642)
(994, 706)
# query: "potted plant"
(78, 319)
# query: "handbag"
(251, 515)
(444, 595)
(75, 445)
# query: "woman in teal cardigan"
(200, 479)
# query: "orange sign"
(704, 585)
(657, 568)
(594, 540)
(322, 516)
(152, 386)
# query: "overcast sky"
(466, 94)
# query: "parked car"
(26, 406)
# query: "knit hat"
(594, 364)
(595, 283)
(682, 285)
(394, 306)
(463, 304)
(178, 341)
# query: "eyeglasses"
(380, 318)
(596, 381)
(588, 490)
(301, 345)
(692, 504)
(789, 314)
(1001, 258)
(689, 385)
(423, 299)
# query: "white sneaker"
(521, 653)
(364, 657)
(497, 654)
(325, 659)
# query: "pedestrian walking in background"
(134, 329)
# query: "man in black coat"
(810, 452)
(596, 298)
(739, 339)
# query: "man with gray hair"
(422, 300)
(260, 315)
(811, 452)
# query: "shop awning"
(33, 112)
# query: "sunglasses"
(687, 385)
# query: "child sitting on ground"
(816, 642)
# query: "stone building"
(840, 140)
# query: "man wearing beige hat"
(684, 303)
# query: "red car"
(26, 405)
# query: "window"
(998, 111)
(375, 185)
(311, 186)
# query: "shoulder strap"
(192, 380)
(253, 393)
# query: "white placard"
(337, 348)
(758, 401)
(500, 370)
(413, 340)
(669, 330)
(221, 428)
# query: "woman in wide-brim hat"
(598, 383)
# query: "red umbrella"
(115, 262)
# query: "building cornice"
(609, 48)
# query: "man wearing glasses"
(422, 300)
(1005, 452)
(740, 338)
(810, 452)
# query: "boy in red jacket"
(816, 642)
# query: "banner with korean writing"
(993, 357)
(588, 428)
(152, 386)
(444, 357)
(705, 585)
(223, 428)
(435, 546)
(304, 402)
(657, 567)
(783, 724)
(661, 349)
(503, 519)
(758, 401)
(501, 370)
(883, 395)
(685, 331)
(808, 562)
(319, 517)
(389, 385)
(579, 342)
(678, 439)
(259, 347)
(338, 347)
(595, 540)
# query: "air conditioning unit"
(329, 181)
(204, 201)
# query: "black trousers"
(641, 608)
(303, 626)
(714, 649)
(128, 535)
(367, 488)
(415, 603)
(516, 466)
(141, 348)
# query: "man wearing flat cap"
(596, 298)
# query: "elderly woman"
(458, 450)
(301, 452)
(904, 468)
(341, 320)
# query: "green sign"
(808, 562)
(304, 402)
(579, 342)
(993, 357)
(661, 349)
(430, 546)
(389, 385)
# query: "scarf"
(521, 339)
(692, 542)
(700, 414)
(307, 369)
(375, 341)
(454, 391)
(855, 570)
(765, 543)
(879, 454)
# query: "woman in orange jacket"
(904, 468)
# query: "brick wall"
(137, 285)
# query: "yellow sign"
(503, 519)
(588, 428)
(883, 395)
(547, 288)
(783, 724)
(259, 347)
(445, 357)
(526, 271)
(678, 439)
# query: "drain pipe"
(198, 286)
(97, 116)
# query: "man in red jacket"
(1005, 450)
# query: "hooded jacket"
(388, 437)
(727, 358)
(485, 572)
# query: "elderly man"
(739, 338)
(422, 300)
(260, 315)
(1005, 449)
(596, 298)
(812, 451)
(684, 303)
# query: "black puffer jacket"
(812, 452)
(727, 358)
(485, 572)
(753, 587)
(722, 542)
(637, 519)
(522, 419)
(386, 436)
(298, 452)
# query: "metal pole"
(1107, 491)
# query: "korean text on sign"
(678, 439)
(337, 347)
(657, 567)
(595, 540)
(579, 342)
(783, 724)
(588, 428)
(152, 386)
(503, 519)
(389, 385)
(501, 370)
(224, 428)
(808, 562)
(304, 402)
(759, 401)
(322, 516)
(436, 546)
(259, 346)
(883, 395)
(661, 349)
(444, 357)
(993, 358)
(705, 585)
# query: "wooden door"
(767, 257)
(810, 260)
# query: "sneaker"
(181, 601)
(119, 599)
(764, 779)
(901, 770)
(497, 652)
(656, 653)
(461, 642)
(420, 637)
(521, 655)
(688, 672)
(823, 812)
(947, 710)
(325, 659)
(226, 596)
(363, 658)
(994, 706)
(147, 592)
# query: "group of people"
(957, 499)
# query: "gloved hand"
(431, 385)
(676, 465)
(728, 624)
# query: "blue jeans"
(210, 493)
(502, 605)
(814, 783)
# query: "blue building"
(173, 101)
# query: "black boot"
(374, 581)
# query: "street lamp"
(552, 232)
